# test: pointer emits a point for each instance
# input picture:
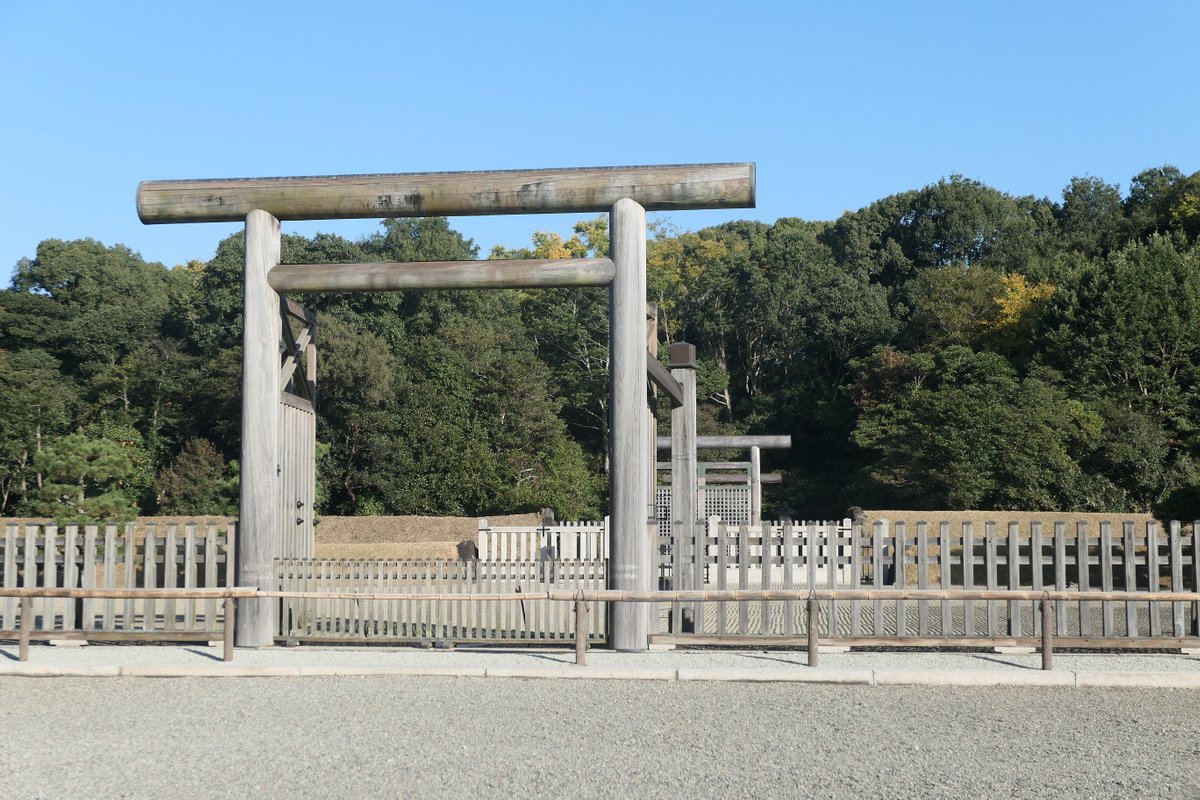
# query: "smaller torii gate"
(755, 444)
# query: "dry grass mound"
(407, 537)
(387, 551)
(409, 529)
(980, 518)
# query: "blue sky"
(838, 103)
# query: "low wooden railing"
(1046, 641)
(580, 598)
(27, 593)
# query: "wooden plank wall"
(1046, 556)
(532, 621)
(175, 555)
(297, 440)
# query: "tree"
(1148, 205)
(961, 430)
(955, 222)
(36, 401)
(1092, 217)
(114, 299)
(198, 481)
(83, 480)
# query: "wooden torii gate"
(755, 444)
(627, 193)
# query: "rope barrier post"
(811, 622)
(230, 611)
(581, 641)
(1047, 634)
(26, 627)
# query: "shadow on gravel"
(1007, 663)
(792, 662)
(204, 654)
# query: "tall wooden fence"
(182, 555)
(532, 621)
(1051, 555)
(573, 541)
(730, 503)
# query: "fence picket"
(945, 573)
(743, 576)
(968, 571)
(189, 574)
(923, 577)
(900, 573)
(70, 573)
(856, 573)
(1083, 570)
(1060, 576)
(877, 534)
(676, 614)
(1176, 578)
(149, 573)
(1106, 577)
(31, 570)
(723, 546)
(1196, 575)
(1129, 562)
(833, 549)
(1037, 577)
(49, 574)
(990, 567)
(110, 575)
(88, 579)
(129, 618)
(787, 543)
(1012, 556)
(9, 623)
(170, 564)
(1153, 572)
(765, 574)
(210, 575)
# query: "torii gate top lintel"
(429, 194)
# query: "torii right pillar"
(630, 509)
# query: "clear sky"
(839, 103)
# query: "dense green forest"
(947, 347)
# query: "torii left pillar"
(259, 513)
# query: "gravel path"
(432, 737)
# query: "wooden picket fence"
(183, 555)
(1048, 557)
(572, 541)
(506, 621)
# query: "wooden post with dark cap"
(684, 525)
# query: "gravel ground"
(551, 657)
(433, 737)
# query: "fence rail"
(182, 555)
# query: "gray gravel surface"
(461, 737)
